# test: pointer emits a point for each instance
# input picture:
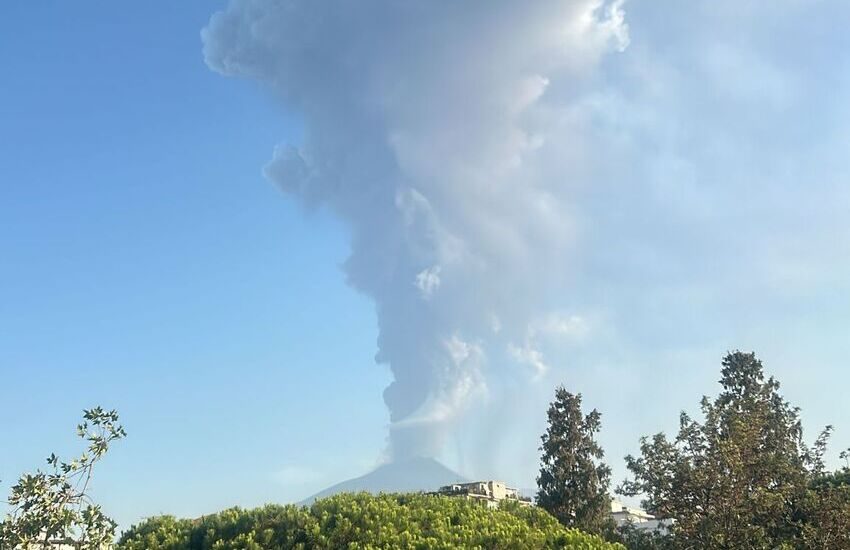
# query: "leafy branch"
(54, 507)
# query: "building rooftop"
(492, 492)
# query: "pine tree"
(573, 481)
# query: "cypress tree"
(573, 481)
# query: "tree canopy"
(412, 521)
(743, 476)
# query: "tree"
(391, 521)
(824, 513)
(743, 477)
(573, 481)
(55, 508)
(635, 538)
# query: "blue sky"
(686, 194)
(148, 266)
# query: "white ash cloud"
(552, 328)
(447, 136)
(428, 281)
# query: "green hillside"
(364, 521)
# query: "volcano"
(407, 476)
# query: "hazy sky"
(495, 197)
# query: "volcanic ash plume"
(447, 136)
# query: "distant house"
(640, 519)
(489, 493)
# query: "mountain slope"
(418, 474)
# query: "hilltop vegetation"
(360, 521)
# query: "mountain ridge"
(407, 476)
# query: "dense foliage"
(743, 477)
(573, 481)
(49, 508)
(364, 521)
(634, 538)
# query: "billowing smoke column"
(446, 135)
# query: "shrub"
(363, 521)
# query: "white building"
(640, 519)
(490, 493)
